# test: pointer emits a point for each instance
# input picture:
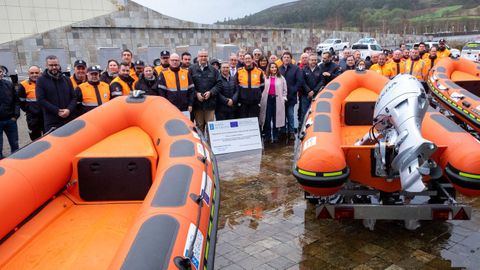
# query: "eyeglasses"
(33, 73)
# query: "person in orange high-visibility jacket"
(127, 57)
(416, 66)
(250, 82)
(431, 59)
(382, 67)
(122, 85)
(92, 93)
(175, 84)
(28, 103)
(164, 62)
(79, 76)
(397, 65)
(442, 51)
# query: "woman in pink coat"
(272, 104)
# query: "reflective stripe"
(22, 99)
(175, 89)
(31, 99)
(90, 104)
(253, 86)
(331, 174)
(116, 93)
(307, 172)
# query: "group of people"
(246, 85)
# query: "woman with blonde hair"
(272, 103)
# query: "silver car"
(471, 51)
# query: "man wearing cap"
(28, 103)
(92, 93)
(442, 51)
(176, 85)
(207, 82)
(164, 62)
(55, 95)
(127, 57)
(139, 66)
(122, 85)
(79, 76)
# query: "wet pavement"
(266, 224)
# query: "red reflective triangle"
(324, 213)
(461, 215)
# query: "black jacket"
(9, 102)
(313, 80)
(294, 77)
(206, 80)
(228, 90)
(106, 78)
(53, 94)
(331, 68)
(149, 86)
(182, 99)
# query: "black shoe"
(291, 136)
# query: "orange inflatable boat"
(327, 155)
(455, 83)
(129, 185)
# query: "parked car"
(332, 45)
(366, 50)
(471, 50)
(367, 41)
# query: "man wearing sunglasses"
(55, 95)
(28, 103)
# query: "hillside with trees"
(403, 17)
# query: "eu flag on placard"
(211, 127)
(233, 124)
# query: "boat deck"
(65, 235)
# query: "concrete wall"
(145, 31)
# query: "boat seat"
(120, 167)
(358, 108)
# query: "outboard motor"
(398, 117)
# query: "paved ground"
(266, 224)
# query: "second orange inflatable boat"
(456, 84)
(342, 113)
(129, 185)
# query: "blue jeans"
(304, 105)
(290, 115)
(11, 130)
(269, 127)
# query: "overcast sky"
(209, 11)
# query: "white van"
(471, 50)
(367, 49)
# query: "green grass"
(455, 18)
(439, 13)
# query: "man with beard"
(397, 65)
(122, 85)
(164, 62)
(92, 93)
(432, 58)
(250, 83)
(186, 60)
(55, 95)
(127, 57)
(294, 77)
(28, 103)
(328, 69)
(382, 67)
(406, 55)
(422, 50)
(312, 78)
(175, 84)
(442, 49)
(416, 67)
